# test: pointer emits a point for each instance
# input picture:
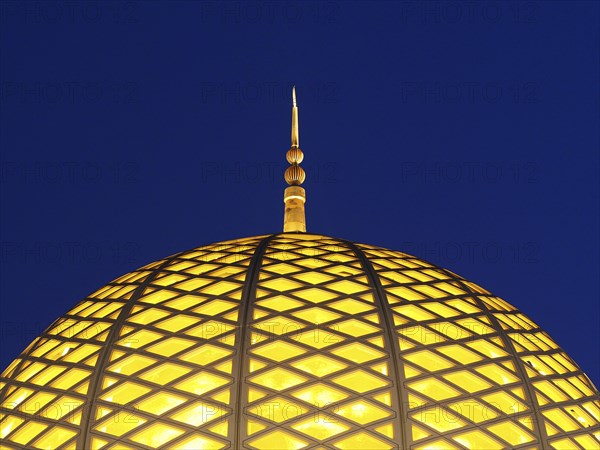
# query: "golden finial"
(294, 196)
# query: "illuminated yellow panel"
(81, 353)
(437, 445)
(215, 307)
(405, 293)
(280, 325)
(568, 388)
(198, 441)
(165, 373)
(198, 414)
(431, 291)
(193, 284)
(438, 418)
(459, 353)
(119, 427)
(315, 295)
(420, 334)
(30, 371)
(563, 444)
(177, 323)
(125, 393)
(473, 410)
(168, 280)
(550, 390)
(48, 374)
(320, 395)
(414, 312)
(54, 438)
(201, 382)
(321, 428)
(211, 329)
(362, 412)
(205, 354)
(131, 364)
(354, 327)
(8, 424)
(33, 404)
(219, 288)
(347, 287)
(487, 348)
(27, 432)
(467, 381)
(70, 378)
(280, 303)
(319, 365)
(428, 360)
(160, 403)
(511, 433)
(463, 306)
(148, 316)
(358, 352)
(581, 384)
(349, 306)
(17, 398)
(156, 435)
(505, 402)
(588, 442)
(170, 346)
(139, 339)
(280, 268)
(185, 302)
(433, 388)
(318, 338)
(278, 440)
(441, 310)
(362, 441)
(278, 351)
(478, 439)
(562, 420)
(313, 277)
(594, 409)
(316, 315)
(61, 407)
(278, 379)
(158, 296)
(278, 409)
(280, 284)
(360, 381)
(496, 373)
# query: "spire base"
(294, 218)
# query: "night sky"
(464, 133)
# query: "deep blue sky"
(464, 133)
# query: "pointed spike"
(295, 132)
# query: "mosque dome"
(295, 341)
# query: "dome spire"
(294, 196)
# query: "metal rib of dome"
(295, 341)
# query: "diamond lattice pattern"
(295, 341)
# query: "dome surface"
(293, 341)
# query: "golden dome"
(294, 341)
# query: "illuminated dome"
(295, 341)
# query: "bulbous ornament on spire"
(294, 218)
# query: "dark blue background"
(465, 133)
